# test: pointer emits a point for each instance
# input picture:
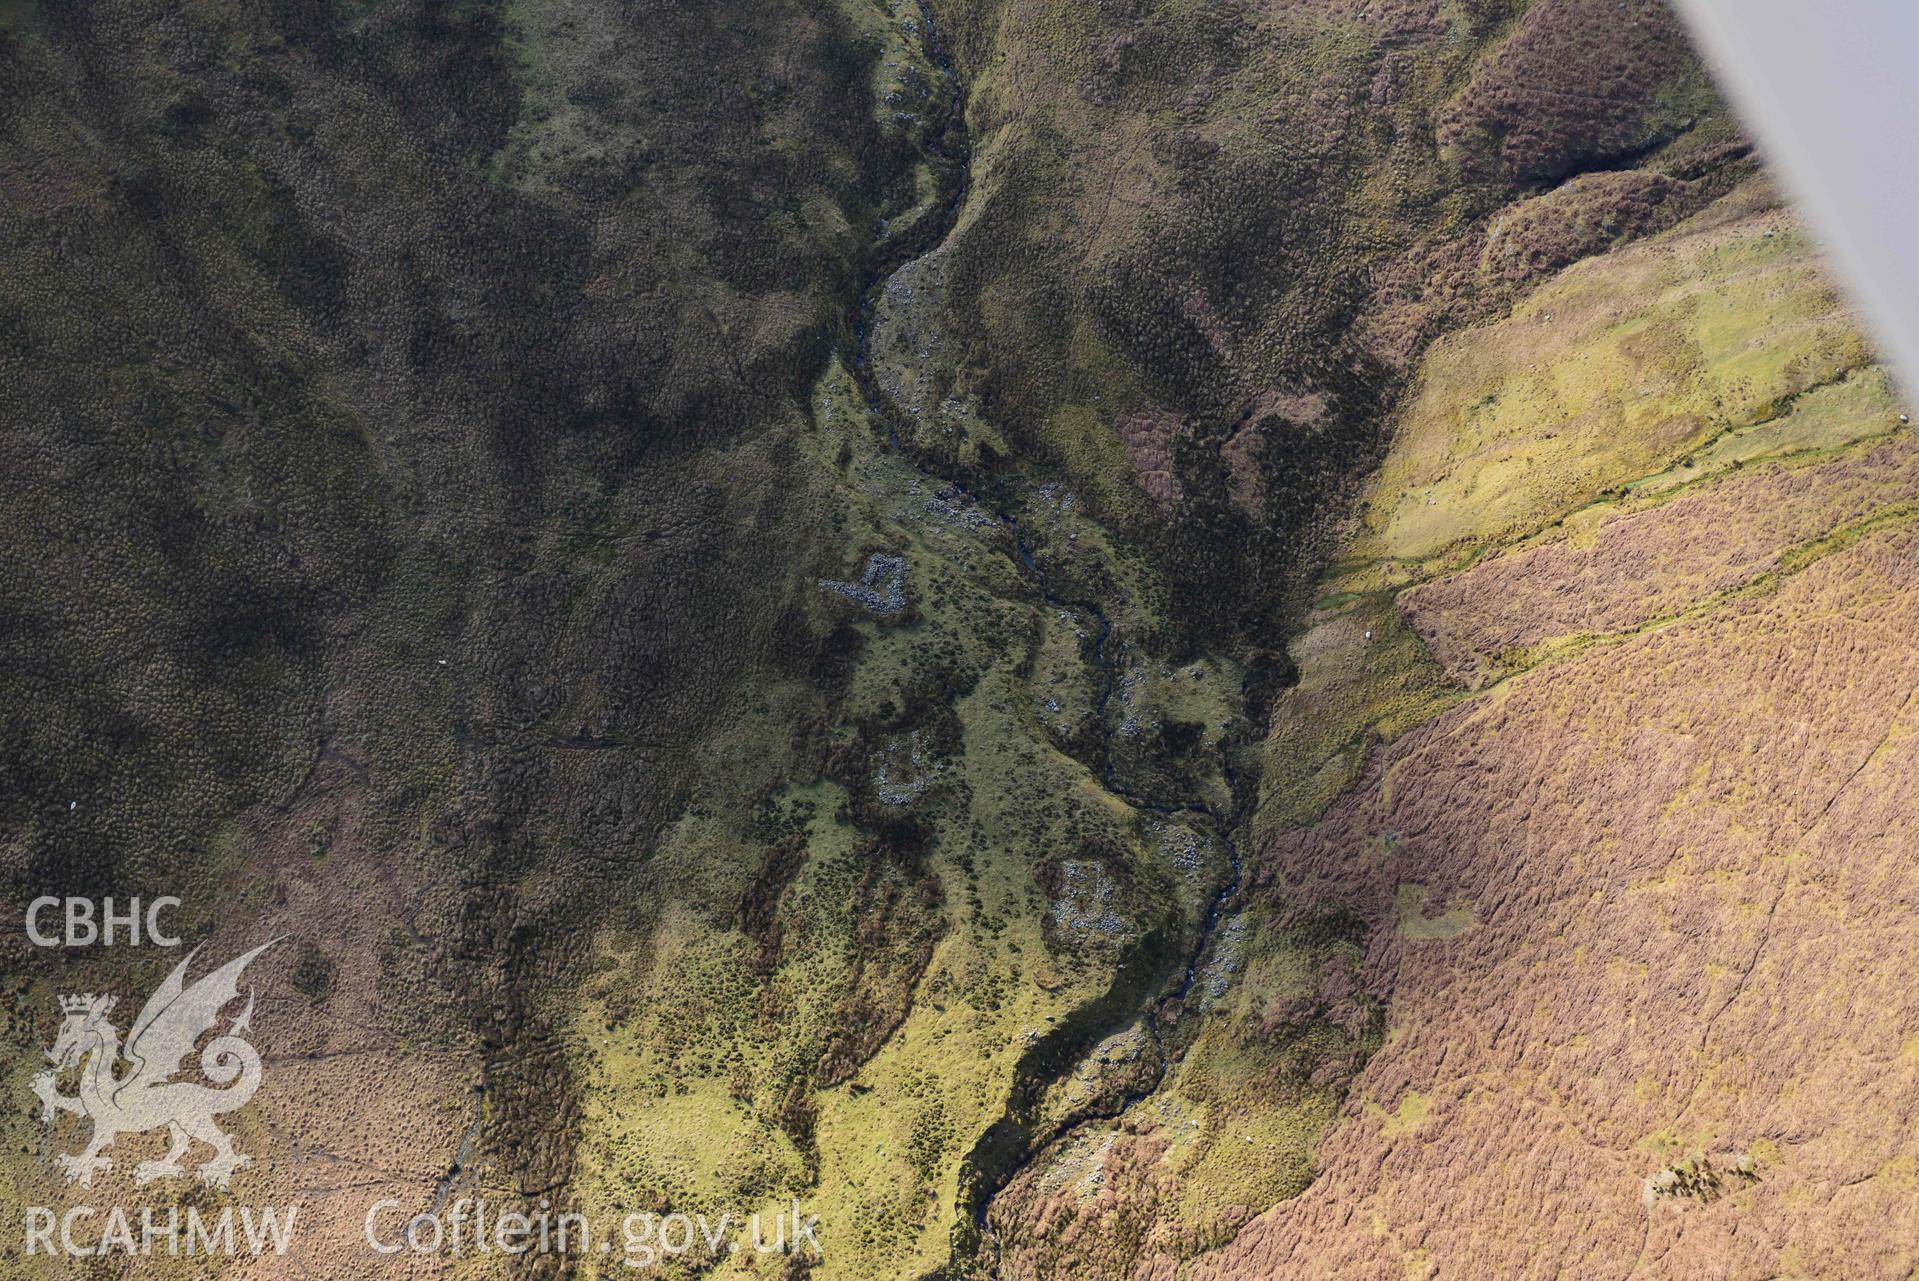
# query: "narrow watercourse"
(1151, 987)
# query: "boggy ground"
(445, 524)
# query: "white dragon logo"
(145, 1098)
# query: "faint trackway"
(1170, 995)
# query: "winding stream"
(1017, 1139)
(462, 1156)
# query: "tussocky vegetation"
(1066, 633)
